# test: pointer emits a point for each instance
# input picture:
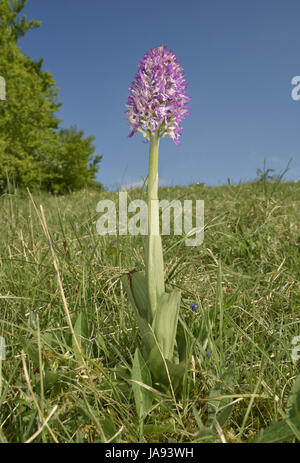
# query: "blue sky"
(239, 57)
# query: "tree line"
(34, 151)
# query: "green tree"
(75, 164)
(33, 150)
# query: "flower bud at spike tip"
(157, 97)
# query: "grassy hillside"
(244, 278)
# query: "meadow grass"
(244, 278)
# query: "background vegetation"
(244, 279)
(34, 151)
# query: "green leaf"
(31, 350)
(288, 428)
(224, 415)
(293, 403)
(220, 408)
(144, 327)
(165, 322)
(50, 378)
(165, 371)
(277, 432)
(81, 331)
(142, 396)
(181, 345)
(154, 271)
(213, 406)
(176, 372)
(102, 345)
(140, 294)
(204, 431)
(164, 332)
(108, 427)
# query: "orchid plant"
(156, 106)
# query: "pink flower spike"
(158, 95)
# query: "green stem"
(153, 248)
(153, 211)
